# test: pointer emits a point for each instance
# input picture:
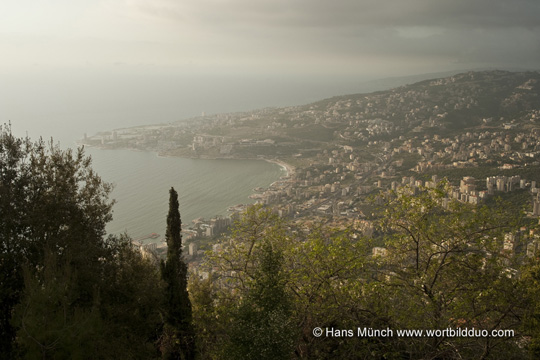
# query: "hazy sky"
(69, 67)
(363, 37)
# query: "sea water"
(206, 188)
(66, 103)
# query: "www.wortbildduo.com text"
(448, 332)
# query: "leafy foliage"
(449, 265)
(444, 265)
(66, 291)
(262, 326)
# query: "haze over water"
(66, 104)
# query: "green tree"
(50, 322)
(122, 322)
(50, 201)
(262, 327)
(530, 281)
(67, 291)
(236, 279)
(329, 272)
(273, 283)
(239, 257)
(178, 340)
(447, 267)
(130, 297)
(440, 264)
(204, 299)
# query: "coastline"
(279, 175)
(287, 167)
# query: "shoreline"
(288, 168)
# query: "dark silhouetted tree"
(66, 290)
(50, 201)
(178, 339)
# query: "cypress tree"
(178, 341)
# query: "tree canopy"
(432, 264)
(65, 288)
(69, 291)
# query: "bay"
(205, 187)
(65, 103)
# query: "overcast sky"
(341, 37)
(74, 66)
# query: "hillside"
(448, 106)
(475, 124)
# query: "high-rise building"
(501, 184)
(536, 207)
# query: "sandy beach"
(288, 168)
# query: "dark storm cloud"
(470, 32)
(347, 13)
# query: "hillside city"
(478, 132)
